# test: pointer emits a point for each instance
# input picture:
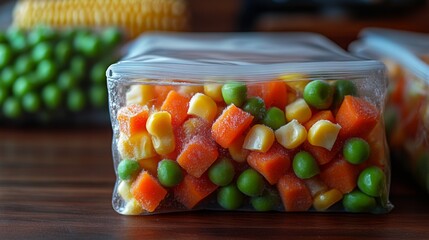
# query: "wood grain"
(58, 185)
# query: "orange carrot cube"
(147, 191)
(321, 154)
(356, 116)
(192, 190)
(272, 164)
(177, 105)
(230, 124)
(274, 93)
(340, 175)
(295, 195)
(132, 119)
(197, 156)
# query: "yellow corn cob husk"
(133, 16)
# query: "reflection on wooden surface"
(58, 184)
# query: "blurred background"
(53, 54)
(339, 19)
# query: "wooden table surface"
(57, 184)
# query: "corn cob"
(133, 16)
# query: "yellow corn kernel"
(291, 135)
(315, 185)
(140, 94)
(138, 146)
(191, 127)
(134, 17)
(236, 150)
(124, 190)
(159, 127)
(202, 106)
(296, 82)
(150, 164)
(132, 207)
(325, 200)
(214, 91)
(298, 110)
(323, 134)
(293, 77)
(190, 90)
(259, 138)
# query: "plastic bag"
(252, 122)
(406, 56)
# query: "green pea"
(304, 165)
(128, 169)
(256, 107)
(98, 96)
(76, 100)
(3, 94)
(221, 172)
(19, 45)
(35, 37)
(46, 71)
(229, 197)
(14, 32)
(24, 64)
(372, 181)
(63, 51)
(319, 94)
(66, 81)
(111, 36)
(98, 73)
(356, 150)
(6, 55)
(12, 108)
(22, 86)
(250, 182)
(52, 96)
(169, 173)
(235, 93)
(274, 118)
(267, 202)
(17, 39)
(41, 34)
(89, 45)
(41, 52)
(31, 102)
(343, 88)
(8, 77)
(79, 40)
(78, 67)
(358, 201)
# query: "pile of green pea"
(46, 72)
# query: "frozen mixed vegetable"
(251, 146)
